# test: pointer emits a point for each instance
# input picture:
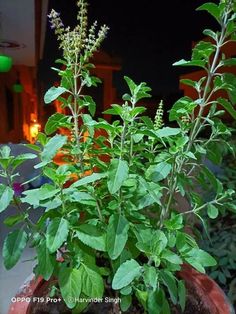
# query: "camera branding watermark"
(35, 300)
(69, 299)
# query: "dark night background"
(148, 36)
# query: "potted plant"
(112, 230)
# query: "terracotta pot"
(20, 304)
(203, 293)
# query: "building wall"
(18, 110)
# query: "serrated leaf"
(91, 236)
(117, 235)
(117, 173)
(125, 274)
(92, 282)
(57, 233)
(70, 285)
(13, 247)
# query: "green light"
(17, 88)
(5, 63)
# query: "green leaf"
(89, 179)
(137, 91)
(167, 131)
(115, 110)
(210, 33)
(171, 257)
(34, 196)
(228, 62)
(51, 148)
(175, 222)
(89, 102)
(5, 151)
(125, 274)
(150, 277)
(130, 83)
(117, 173)
(229, 80)
(211, 8)
(126, 290)
(13, 247)
(197, 63)
(70, 285)
(155, 302)
(203, 50)
(53, 93)
(46, 261)
(152, 189)
(199, 259)
(55, 121)
(82, 198)
(142, 297)
(57, 233)
(19, 159)
(13, 220)
(92, 282)
(125, 302)
(227, 106)
(89, 123)
(182, 294)
(6, 196)
(136, 111)
(212, 211)
(188, 82)
(182, 107)
(170, 282)
(92, 236)
(158, 172)
(5, 158)
(117, 235)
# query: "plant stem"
(99, 211)
(197, 124)
(75, 113)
